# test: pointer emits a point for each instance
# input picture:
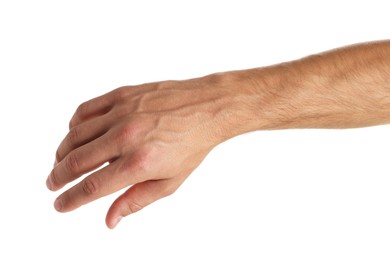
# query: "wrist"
(260, 99)
(245, 101)
(274, 97)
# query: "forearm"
(343, 88)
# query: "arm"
(343, 88)
(154, 135)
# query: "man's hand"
(152, 137)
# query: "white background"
(294, 194)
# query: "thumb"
(137, 197)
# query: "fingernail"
(116, 221)
(58, 204)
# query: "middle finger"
(82, 134)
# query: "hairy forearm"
(343, 88)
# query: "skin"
(149, 138)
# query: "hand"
(151, 136)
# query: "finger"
(103, 182)
(138, 197)
(82, 134)
(103, 104)
(82, 160)
(92, 108)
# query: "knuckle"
(120, 93)
(141, 162)
(80, 113)
(72, 123)
(82, 109)
(139, 166)
(90, 186)
(54, 179)
(58, 156)
(72, 163)
(126, 133)
(133, 206)
(73, 136)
